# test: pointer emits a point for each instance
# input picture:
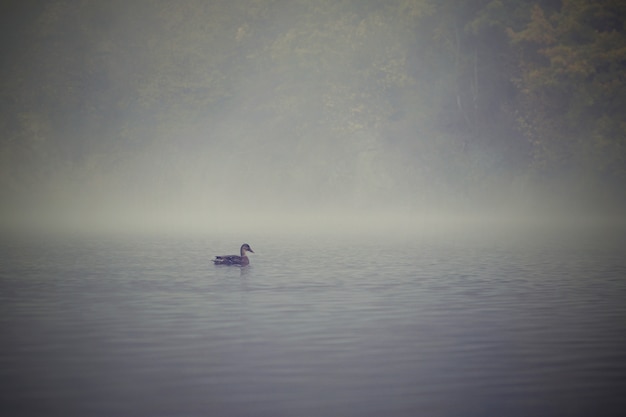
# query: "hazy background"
(194, 113)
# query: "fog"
(268, 117)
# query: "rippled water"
(474, 325)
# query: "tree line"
(414, 96)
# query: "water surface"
(480, 324)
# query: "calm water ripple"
(444, 326)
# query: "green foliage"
(415, 96)
(573, 87)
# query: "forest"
(418, 104)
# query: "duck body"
(236, 260)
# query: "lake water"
(475, 324)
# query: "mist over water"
(250, 181)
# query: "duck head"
(245, 248)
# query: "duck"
(237, 260)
